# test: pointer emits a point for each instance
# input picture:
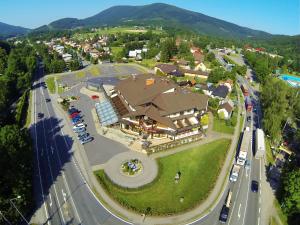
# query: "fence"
(173, 144)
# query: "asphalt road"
(68, 199)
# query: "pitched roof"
(220, 91)
(167, 68)
(226, 106)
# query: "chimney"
(150, 81)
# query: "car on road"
(248, 118)
(40, 115)
(86, 140)
(224, 214)
(48, 100)
(79, 125)
(254, 186)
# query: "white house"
(226, 107)
(134, 53)
(67, 57)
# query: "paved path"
(148, 173)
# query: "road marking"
(50, 198)
(259, 210)
(54, 187)
(246, 172)
(63, 174)
(64, 195)
(259, 169)
(38, 160)
(239, 215)
(51, 150)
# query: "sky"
(273, 16)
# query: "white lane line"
(259, 210)
(239, 215)
(50, 169)
(37, 156)
(62, 172)
(246, 172)
(50, 198)
(64, 195)
(259, 169)
(51, 150)
(96, 198)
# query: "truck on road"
(234, 173)
(260, 146)
(242, 157)
(245, 90)
(225, 209)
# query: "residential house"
(148, 104)
(201, 66)
(94, 53)
(228, 83)
(183, 64)
(226, 108)
(67, 57)
(196, 73)
(220, 92)
(168, 69)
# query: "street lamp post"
(11, 202)
(6, 220)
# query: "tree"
(74, 65)
(168, 50)
(16, 170)
(275, 105)
(57, 66)
(204, 120)
(210, 57)
(3, 60)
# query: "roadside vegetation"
(163, 196)
(17, 68)
(50, 82)
(95, 70)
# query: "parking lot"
(96, 71)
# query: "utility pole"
(11, 201)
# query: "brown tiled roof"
(167, 68)
(136, 92)
(152, 101)
(120, 107)
(226, 106)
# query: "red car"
(74, 115)
(94, 97)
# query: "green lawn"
(269, 154)
(149, 63)
(51, 84)
(221, 126)
(199, 167)
(116, 50)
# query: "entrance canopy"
(106, 113)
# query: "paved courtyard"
(147, 174)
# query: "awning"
(106, 113)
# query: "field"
(114, 30)
(162, 196)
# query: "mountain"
(7, 30)
(163, 15)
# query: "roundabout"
(131, 169)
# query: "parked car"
(82, 136)
(254, 186)
(48, 100)
(79, 125)
(73, 114)
(78, 130)
(86, 140)
(247, 164)
(72, 110)
(75, 122)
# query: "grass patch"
(162, 196)
(80, 74)
(51, 84)
(149, 63)
(28, 115)
(94, 70)
(281, 215)
(60, 89)
(221, 126)
(116, 50)
(269, 154)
